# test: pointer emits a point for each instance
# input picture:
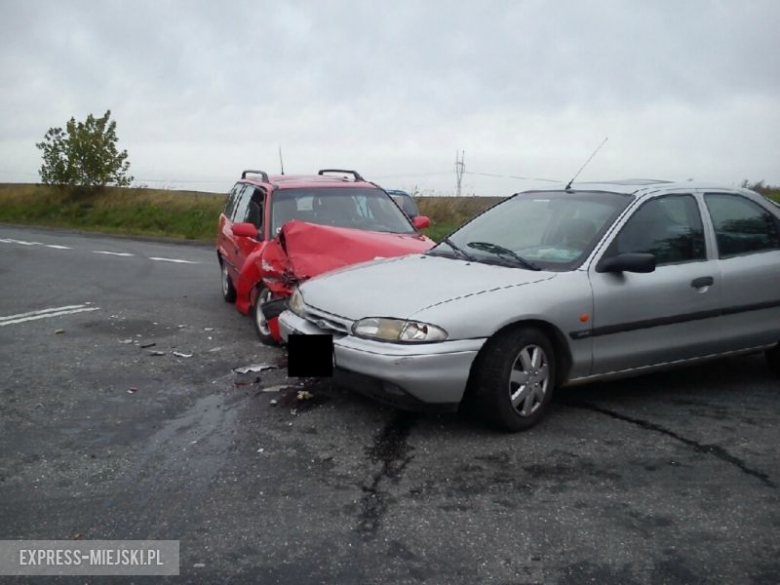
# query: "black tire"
(514, 353)
(228, 290)
(258, 321)
(773, 359)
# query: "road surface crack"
(391, 449)
(714, 450)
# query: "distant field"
(448, 213)
(190, 215)
(176, 214)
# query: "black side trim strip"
(672, 320)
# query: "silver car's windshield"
(548, 230)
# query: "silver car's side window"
(669, 227)
(741, 226)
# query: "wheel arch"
(563, 355)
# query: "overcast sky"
(201, 90)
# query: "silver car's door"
(747, 232)
(662, 316)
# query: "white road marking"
(53, 310)
(176, 260)
(123, 254)
(105, 252)
(57, 313)
(22, 242)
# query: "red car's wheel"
(261, 324)
(228, 290)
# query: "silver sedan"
(555, 288)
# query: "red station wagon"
(278, 231)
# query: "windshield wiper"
(501, 251)
(459, 251)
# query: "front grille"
(327, 323)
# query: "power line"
(514, 177)
(403, 175)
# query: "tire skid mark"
(391, 449)
(715, 450)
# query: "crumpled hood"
(401, 287)
(313, 249)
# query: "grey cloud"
(395, 86)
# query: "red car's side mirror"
(421, 222)
(245, 230)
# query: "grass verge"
(188, 214)
(174, 214)
(147, 212)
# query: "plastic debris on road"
(132, 390)
(253, 369)
(59, 331)
(304, 395)
(181, 354)
(156, 353)
(147, 345)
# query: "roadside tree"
(84, 155)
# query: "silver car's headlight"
(398, 331)
(296, 302)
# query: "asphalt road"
(670, 478)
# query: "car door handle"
(702, 281)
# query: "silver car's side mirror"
(642, 263)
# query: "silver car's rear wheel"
(514, 378)
(529, 380)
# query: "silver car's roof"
(638, 187)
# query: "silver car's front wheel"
(529, 380)
(515, 377)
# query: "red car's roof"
(305, 181)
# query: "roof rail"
(353, 173)
(263, 174)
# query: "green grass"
(449, 213)
(174, 214)
(187, 214)
(149, 212)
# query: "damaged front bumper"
(414, 376)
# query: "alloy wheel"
(529, 379)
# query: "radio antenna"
(590, 158)
(281, 161)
